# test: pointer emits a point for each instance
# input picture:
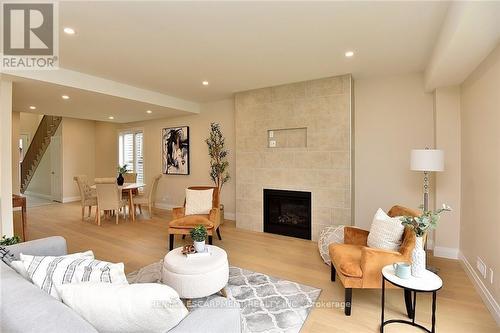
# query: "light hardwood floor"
(144, 241)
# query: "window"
(130, 152)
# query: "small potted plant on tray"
(199, 234)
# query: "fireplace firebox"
(287, 213)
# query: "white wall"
(6, 218)
(392, 116)
(447, 189)
(171, 190)
(78, 154)
(480, 138)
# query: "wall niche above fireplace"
(287, 213)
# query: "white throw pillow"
(386, 232)
(46, 271)
(141, 307)
(198, 201)
(18, 266)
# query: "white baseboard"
(165, 206)
(485, 294)
(38, 195)
(227, 215)
(70, 199)
(446, 252)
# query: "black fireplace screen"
(287, 213)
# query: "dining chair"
(88, 196)
(149, 198)
(109, 198)
(130, 177)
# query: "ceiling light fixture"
(65, 97)
(32, 107)
(349, 54)
(69, 31)
(111, 117)
(205, 83)
(149, 111)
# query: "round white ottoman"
(196, 277)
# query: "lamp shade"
(427, 160)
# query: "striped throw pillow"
(46, 271)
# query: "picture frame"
(175, 150)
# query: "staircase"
(39, 144)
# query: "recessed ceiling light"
(205, 83)
(149, 111)
(65, 97)
(32, 107)
(111, 117)
(349, 54)
(69, 31)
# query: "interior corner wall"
(6, 217)
(16, 188)
(480, 181)
(78, 154)
(447, 189)
(393, 116)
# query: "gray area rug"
(268, 304)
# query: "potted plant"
(121, 170)
(6, 241)
(218, 160)
(420, 225)
(199, 234)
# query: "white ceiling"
(83, 104)
(170, 47)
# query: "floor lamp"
(426, 161)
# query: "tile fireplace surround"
(323, 167)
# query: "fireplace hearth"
(287, 213)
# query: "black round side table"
(428, 283)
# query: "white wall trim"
(71, 199)
(485, 294)
(165, 206)
(446, 252)
(38, 195)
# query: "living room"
(341, 108)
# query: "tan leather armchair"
(182, 224)
(360, 266)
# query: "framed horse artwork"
(175, 150)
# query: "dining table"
(129, 188)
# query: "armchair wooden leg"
(333, 272)
(218, 234)
(90, 210)
(210, 241)
(171, 242)
(83, 213)
(408, 300)
(348, 299)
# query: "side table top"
(428, 282)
